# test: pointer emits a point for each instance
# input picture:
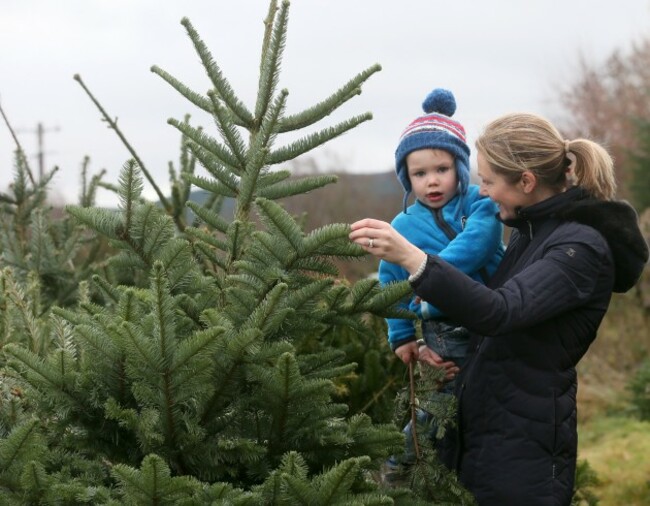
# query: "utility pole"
(40, 133)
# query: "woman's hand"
(380, 239)
(427, 356)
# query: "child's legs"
(450, 342)
(423, 419)
(447, 340)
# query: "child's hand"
(408, 352)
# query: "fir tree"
(204, 360)
(194, 365)
(50, 256)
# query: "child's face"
(432, 173)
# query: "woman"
(572, 245)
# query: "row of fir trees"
(160, 353)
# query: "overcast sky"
(497, 56)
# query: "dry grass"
(623, 343)
(614, 443)
(617, 448)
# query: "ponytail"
(593, 168)
(519, 142)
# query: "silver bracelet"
(419, 272)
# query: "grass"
(617, 448)
(614, 443)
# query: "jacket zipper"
(444, 226)
(451, 234)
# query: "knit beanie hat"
(435, 130)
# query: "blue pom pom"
(441, 101)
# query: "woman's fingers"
(373, 235)
(382, 240)
(369, 223)
(451, 370)
(430, 357)
(368, 228)
(452, 373)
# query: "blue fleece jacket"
(477, 245)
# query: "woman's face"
(507, 196)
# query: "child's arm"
(478, 243)
(400, 331)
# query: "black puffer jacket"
(532, 324)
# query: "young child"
(448, 219)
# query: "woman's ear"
(528, 181)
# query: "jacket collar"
(616, 221)
(529, 217)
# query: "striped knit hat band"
(435, 122)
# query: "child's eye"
(442, 170)
(419, 173)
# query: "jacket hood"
(617, 222)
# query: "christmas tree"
(159, 356)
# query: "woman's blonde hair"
(519, 142)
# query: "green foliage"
(201, 362)
(639, 387)
(201, 374)
(639, 165)
(48, 257)
(23, 445)
(371, 387)
(153, 484)
(586, 479)
(427, 477)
